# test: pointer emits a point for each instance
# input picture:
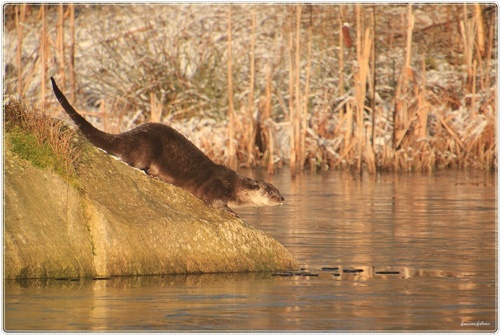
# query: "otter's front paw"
(224, 207)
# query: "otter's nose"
(282, 199)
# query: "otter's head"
(256, 193)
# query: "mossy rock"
(119, 221)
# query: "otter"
(163, 153)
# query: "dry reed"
(60, 46)
(72, 73)
(420, 120)
(20, 15)
(298, 96)
(291, 106)
(250, 134)
(373, 84)
(304, 117)
(43, 53)
(232, 160)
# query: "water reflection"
(127, 282)
(421, 219)
(392, 252)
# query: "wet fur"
(164, 153)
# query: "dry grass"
(303, 83)
(41, 139)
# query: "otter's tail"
(94, 135)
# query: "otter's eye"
(270, 192)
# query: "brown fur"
(164, 153)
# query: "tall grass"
(415, 91)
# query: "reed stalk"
(348, 117)
(352, 142)
(374, 81)
(156, 108)
(369, 156)
(400, 116)
(267, 116)
(250, 128)
(232, 161)
(423, 105)
(409, 37)
(479, 67)
(360, 86)
(341, 52)
(488, 55)
(298, 97)
(104, 115)
(72, 75)
(473, 95)
(43, 53)
(468, 31)
(60, 46)
(304, 116)
(291, 87)
(481, 39)
(363, 51)
(348, 126)
(20, 16)
(270, 143)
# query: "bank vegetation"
(361, 87)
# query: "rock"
(45, 232)
(121, 222)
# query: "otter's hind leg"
(156, 172)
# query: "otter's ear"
(253, 184)
(225, 182)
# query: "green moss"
(41, 155)
(26, 146)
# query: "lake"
(409, 251)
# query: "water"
(432, 235)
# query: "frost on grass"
(132, 60)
